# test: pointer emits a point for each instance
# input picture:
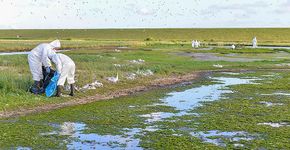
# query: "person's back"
(37, 51)
(65, 59)
(65, 66)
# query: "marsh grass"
(92, 65)
(237, 111)
(166, 38)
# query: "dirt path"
(164, 82)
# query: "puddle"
(272, 47)
(214, 57)
(275, 94)
(275, 125)
(231, 73)
(218, 138)
(263, 47)
(15, 53)
(270, 104)
(80, 140)
(189, 99)
(24, 148)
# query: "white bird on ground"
(113, 79)
(218, 66)
(118, 51)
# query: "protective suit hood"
(55, 44)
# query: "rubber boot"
(72, 88)
(41, 83)
(35, 89)
(58, 91)
(41, 88)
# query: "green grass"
(242, 111)
(221, 35)
(178, 38)
(94, 57)
(15, 77)
(237, 111)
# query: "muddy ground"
(157, 83)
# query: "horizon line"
(133, 28)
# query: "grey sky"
(39, 14)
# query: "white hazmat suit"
(233, 47)
(193, 44)
(255, 42)
(38, 57)
(197, 44)
(65, 67)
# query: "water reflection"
(183, 102)
(189, 99)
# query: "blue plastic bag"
(51, 88)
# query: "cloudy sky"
(39, 14)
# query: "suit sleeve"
(57, 62)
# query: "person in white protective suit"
(255, 42)
(193, 44)
(197, 44)
(65, 66)
(233, 47)
(38, 58)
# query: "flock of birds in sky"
(84, 10)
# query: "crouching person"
(66, 68)
(37, 58)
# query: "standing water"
(189, 99)
(79, 135)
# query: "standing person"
(66, 68)
(255, 42)
(233, 47)
(37, 58)
(193, 44)
(196, 44)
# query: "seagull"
(113, 79)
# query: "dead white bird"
(97, 84)
(118, 51)
(218, 66)
(139, 61)
(117, 65)
(131, 76)
(113, 79)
